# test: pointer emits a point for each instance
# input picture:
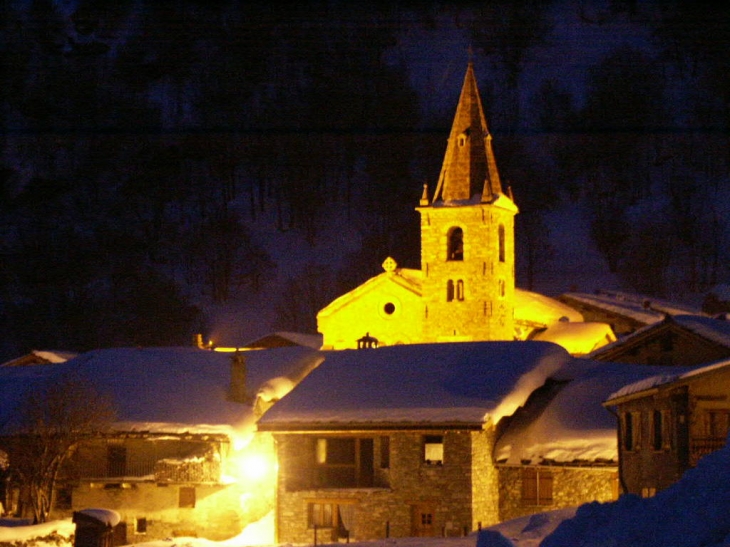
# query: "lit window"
(456, 244)
(460, 289)
(537, 486)
(433, 449)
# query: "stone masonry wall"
(388, 510)
(487, 309)
(485, 480)
(571, 486)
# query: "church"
(465, 290)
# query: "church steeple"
(469, 168)
(467, 236)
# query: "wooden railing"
(701, 446)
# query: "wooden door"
(422, 520)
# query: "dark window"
(657, 430)
(187, 497)
(389, 308)
(537, 486)
(449, 291)
(140, 525)
(456, 244)
(63, 498)
(433, 449)
(501, 243)
(116, 460)
(632, 429)
(384, 452)
(344, 462)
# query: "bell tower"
(467, 236)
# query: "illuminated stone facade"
(465, 290)
(525, 490)
(394, 492)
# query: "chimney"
(237, 389)
(198, 341)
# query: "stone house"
(666, 423)
(421, 439)
(176, 460)
(465, 289)
(687, 340)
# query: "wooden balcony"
(701, 446)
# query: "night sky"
(170, 168)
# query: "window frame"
(631, 431)
(501, 237)
(432, 440)
(319, 508)
(539, 481)
(455, 244)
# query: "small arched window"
(456, 244)
(501, 243)
(449, 291)
(460, 289)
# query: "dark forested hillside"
(150, 151)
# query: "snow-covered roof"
(532, 306)
(643, 309)
(284, 338)
(462, 384)
(717, 330)
(574, 426)
(667, 376)
(714, 330)
(169, 390)
(37, 357)
(577, 338)
(107, 516)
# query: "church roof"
(469, 168)
(406, 278)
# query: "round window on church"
(389, 308)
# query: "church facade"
(465, 289)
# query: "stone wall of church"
(470, 298)
(569, 486)
(384, 308)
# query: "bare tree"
(51, 421)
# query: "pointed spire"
(469, 167)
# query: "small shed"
(95, 527)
